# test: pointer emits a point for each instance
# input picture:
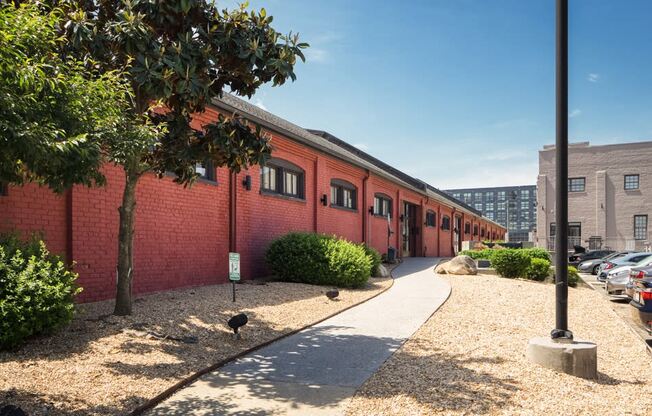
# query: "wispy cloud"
(593, 77)
(576, 112)
(362, 146)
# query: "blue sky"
(460, 93)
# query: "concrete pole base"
(577, 358)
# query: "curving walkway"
(318, 369)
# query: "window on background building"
(283, 178)
(382, 205)
(343, 194)
(500, 206)
(489, 196)
(500, 216)
(631, 182)
(525, 225)
(478, 206)
(489, 206)
(478, 197)
(525, 194)
(576, 184)
(640, 227)
(206, 170)
(513, 225)
(431, 219)
(445, 222)
(525, 205)
(490, 215)
(475, 230)
(501, 195)
(467, 228)
(457, 195)
(467, 197)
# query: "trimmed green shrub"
(485, 254)
(375, 258)
(510, 263)
(318, 259)
(537, 253)
(36, 292)
(538, 269)
(573, 276)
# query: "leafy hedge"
(510, 263)
(318, 259)
(485, 254)
(536, 253)
(36, 291)
(375, 258)
(573, 276)
(538, 270)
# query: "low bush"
(375, 258)
(36, 292)
(485, 254)
(573, 276)
(537, 253)
(318, 259)
(510, 263)
(538, 269)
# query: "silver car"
(629, 259)
(637, 273)
(592, 265)
(618, 277)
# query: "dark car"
(642, 302)
(590, 255)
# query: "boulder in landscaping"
(382, 271)
(458, 265)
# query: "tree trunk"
(125, 245)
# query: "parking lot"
(620, 304)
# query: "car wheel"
(595, 269)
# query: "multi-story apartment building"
(609, 195)
(513, 207)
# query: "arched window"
(281, 177)
(431, 218)
(475, 229)
(467, 228)
(382, 205)
(343, 194)
(445, 222)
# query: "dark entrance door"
(457, 233)
(410, 229)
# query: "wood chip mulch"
(107, 365)
(469, 358)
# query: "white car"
(618, 277)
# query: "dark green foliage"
(573, 276)
(318, 259)
(510, 263)
(538, 269)
(36, 292)
(485, 254)
(375, 258)
(537, 253)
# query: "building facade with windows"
(513, 207)
(609, 196)
(313, 182)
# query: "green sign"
(234, 266)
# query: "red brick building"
(314, 182)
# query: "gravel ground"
(105, 365)
(469, 358)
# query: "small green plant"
(538, 269)
(510, 263)
(318, 259)
(537, 253)
(573, 276)
(375, 258)
(36, 292)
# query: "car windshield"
(645, 261)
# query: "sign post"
(234, 270)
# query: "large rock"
(382, 271)
(458, 265)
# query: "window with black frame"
(467, 228)
(631, 182)
(475, 230)
(281, 177)
(382, 205)
(431, 218)
(576, 184)
(445, 222)
(206, 171)
(640, 227)
(343, 194)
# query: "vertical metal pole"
(233, 283)
(561, 201)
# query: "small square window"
(206, 170)
(576, 184)
(431, 219)
(631, 182)
(382, 205)
(445, 223)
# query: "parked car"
(642, 301)
(619, 277)
(590, 262)
(635, 274)
(628, 259)
(611, 257)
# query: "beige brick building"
(609, 198)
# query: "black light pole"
(561, 331)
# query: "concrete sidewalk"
(318, 369)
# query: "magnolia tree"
(176, 55)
